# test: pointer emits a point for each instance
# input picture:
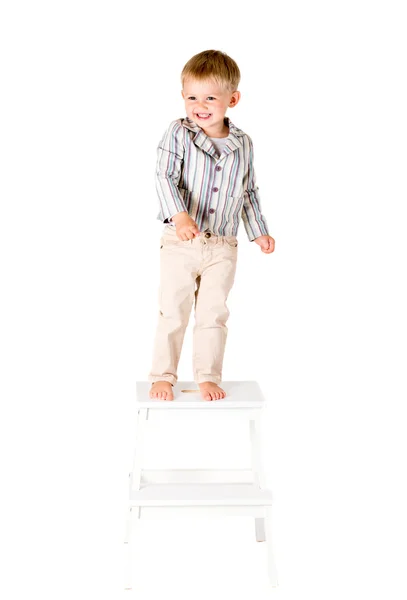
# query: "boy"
(205, 182)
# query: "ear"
(234, 99)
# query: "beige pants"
(201, 270)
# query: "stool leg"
(135, 475)
(255, 446)
(260, 529)
(128, 550)
(258, 473)
(134, 483)
(132, 522)
(271, 565)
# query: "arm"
(170, 155)
(254, 222)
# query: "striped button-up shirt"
(216, 190)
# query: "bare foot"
(211, 391)
(161, 390)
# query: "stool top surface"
(239, 394)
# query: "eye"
(211, 98)
(191, 97)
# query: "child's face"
(206, 103)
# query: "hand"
(186, 228)
(266, 243)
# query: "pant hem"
(170, 378)
(210, 378)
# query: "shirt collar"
(203, 141)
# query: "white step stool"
(202, 491)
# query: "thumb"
(195, 230)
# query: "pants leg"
(211, 312)
(178, 272)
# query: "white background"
(88, 89)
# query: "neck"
(218, 131)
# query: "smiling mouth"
(203, 116)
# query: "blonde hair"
(213, 64)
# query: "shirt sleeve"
(254, 222)
(170, 155)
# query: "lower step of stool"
(196, 494)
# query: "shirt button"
(218, 168)
(211, 210)
(215, 189)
